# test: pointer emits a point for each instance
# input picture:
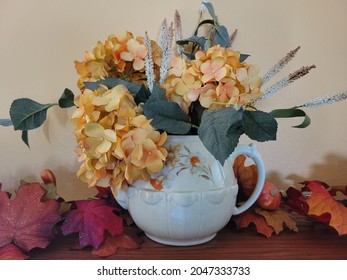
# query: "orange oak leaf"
(277, 218)
(249, 217)
(25, 219)
(321, 202)
(246, 176)
(128, 240)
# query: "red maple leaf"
(91, 219)
(104, 193)
(11, 252)
(296, 201)
(25, 219)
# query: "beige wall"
(40, 39)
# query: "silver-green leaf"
(27, 114)
(5, 122)
(66, 100)
(220, 131)
(292, 113)
(167, 116)
(259, 126)
(221, 36)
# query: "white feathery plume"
(149, 63)
(178, 26)
(162, 34)
(233, 36)
(178, 32)
(324, 100)
(270, 91)
(166, 53)
(279, 66)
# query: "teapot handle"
(251, 152)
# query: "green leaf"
(193, 39)
(25, 137)
(5, 122)
(211, 11)
(243, 57)
(142, 95)
(189, 55)
(292, 113)
(220, 131)
(28, 114)
(66, 100)
(206, 21)
(259, 126)
(111, 83)
(196, 113)
(221, 36)
(158, 94)
(167, 116)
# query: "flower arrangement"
(136, 91)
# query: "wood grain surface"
(312, 242)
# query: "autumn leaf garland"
(25, 220)
(28, 217)
(32, 216)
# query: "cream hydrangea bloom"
(116, 142)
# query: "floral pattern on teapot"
(180, 158)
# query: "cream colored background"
(40, 39)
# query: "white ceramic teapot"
(193, 197)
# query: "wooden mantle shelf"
(313, 242)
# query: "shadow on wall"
(72, 188)
(333, 171)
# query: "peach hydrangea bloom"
(135, 53)
(213, 70)
(220, 79)
(185, 85)
(121, 56)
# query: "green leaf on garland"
(220, 131)
(221, 36)
(6, 122)
(66, 100)
(292, 113)
(167, 116)
(259, 126)
(27, 114)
